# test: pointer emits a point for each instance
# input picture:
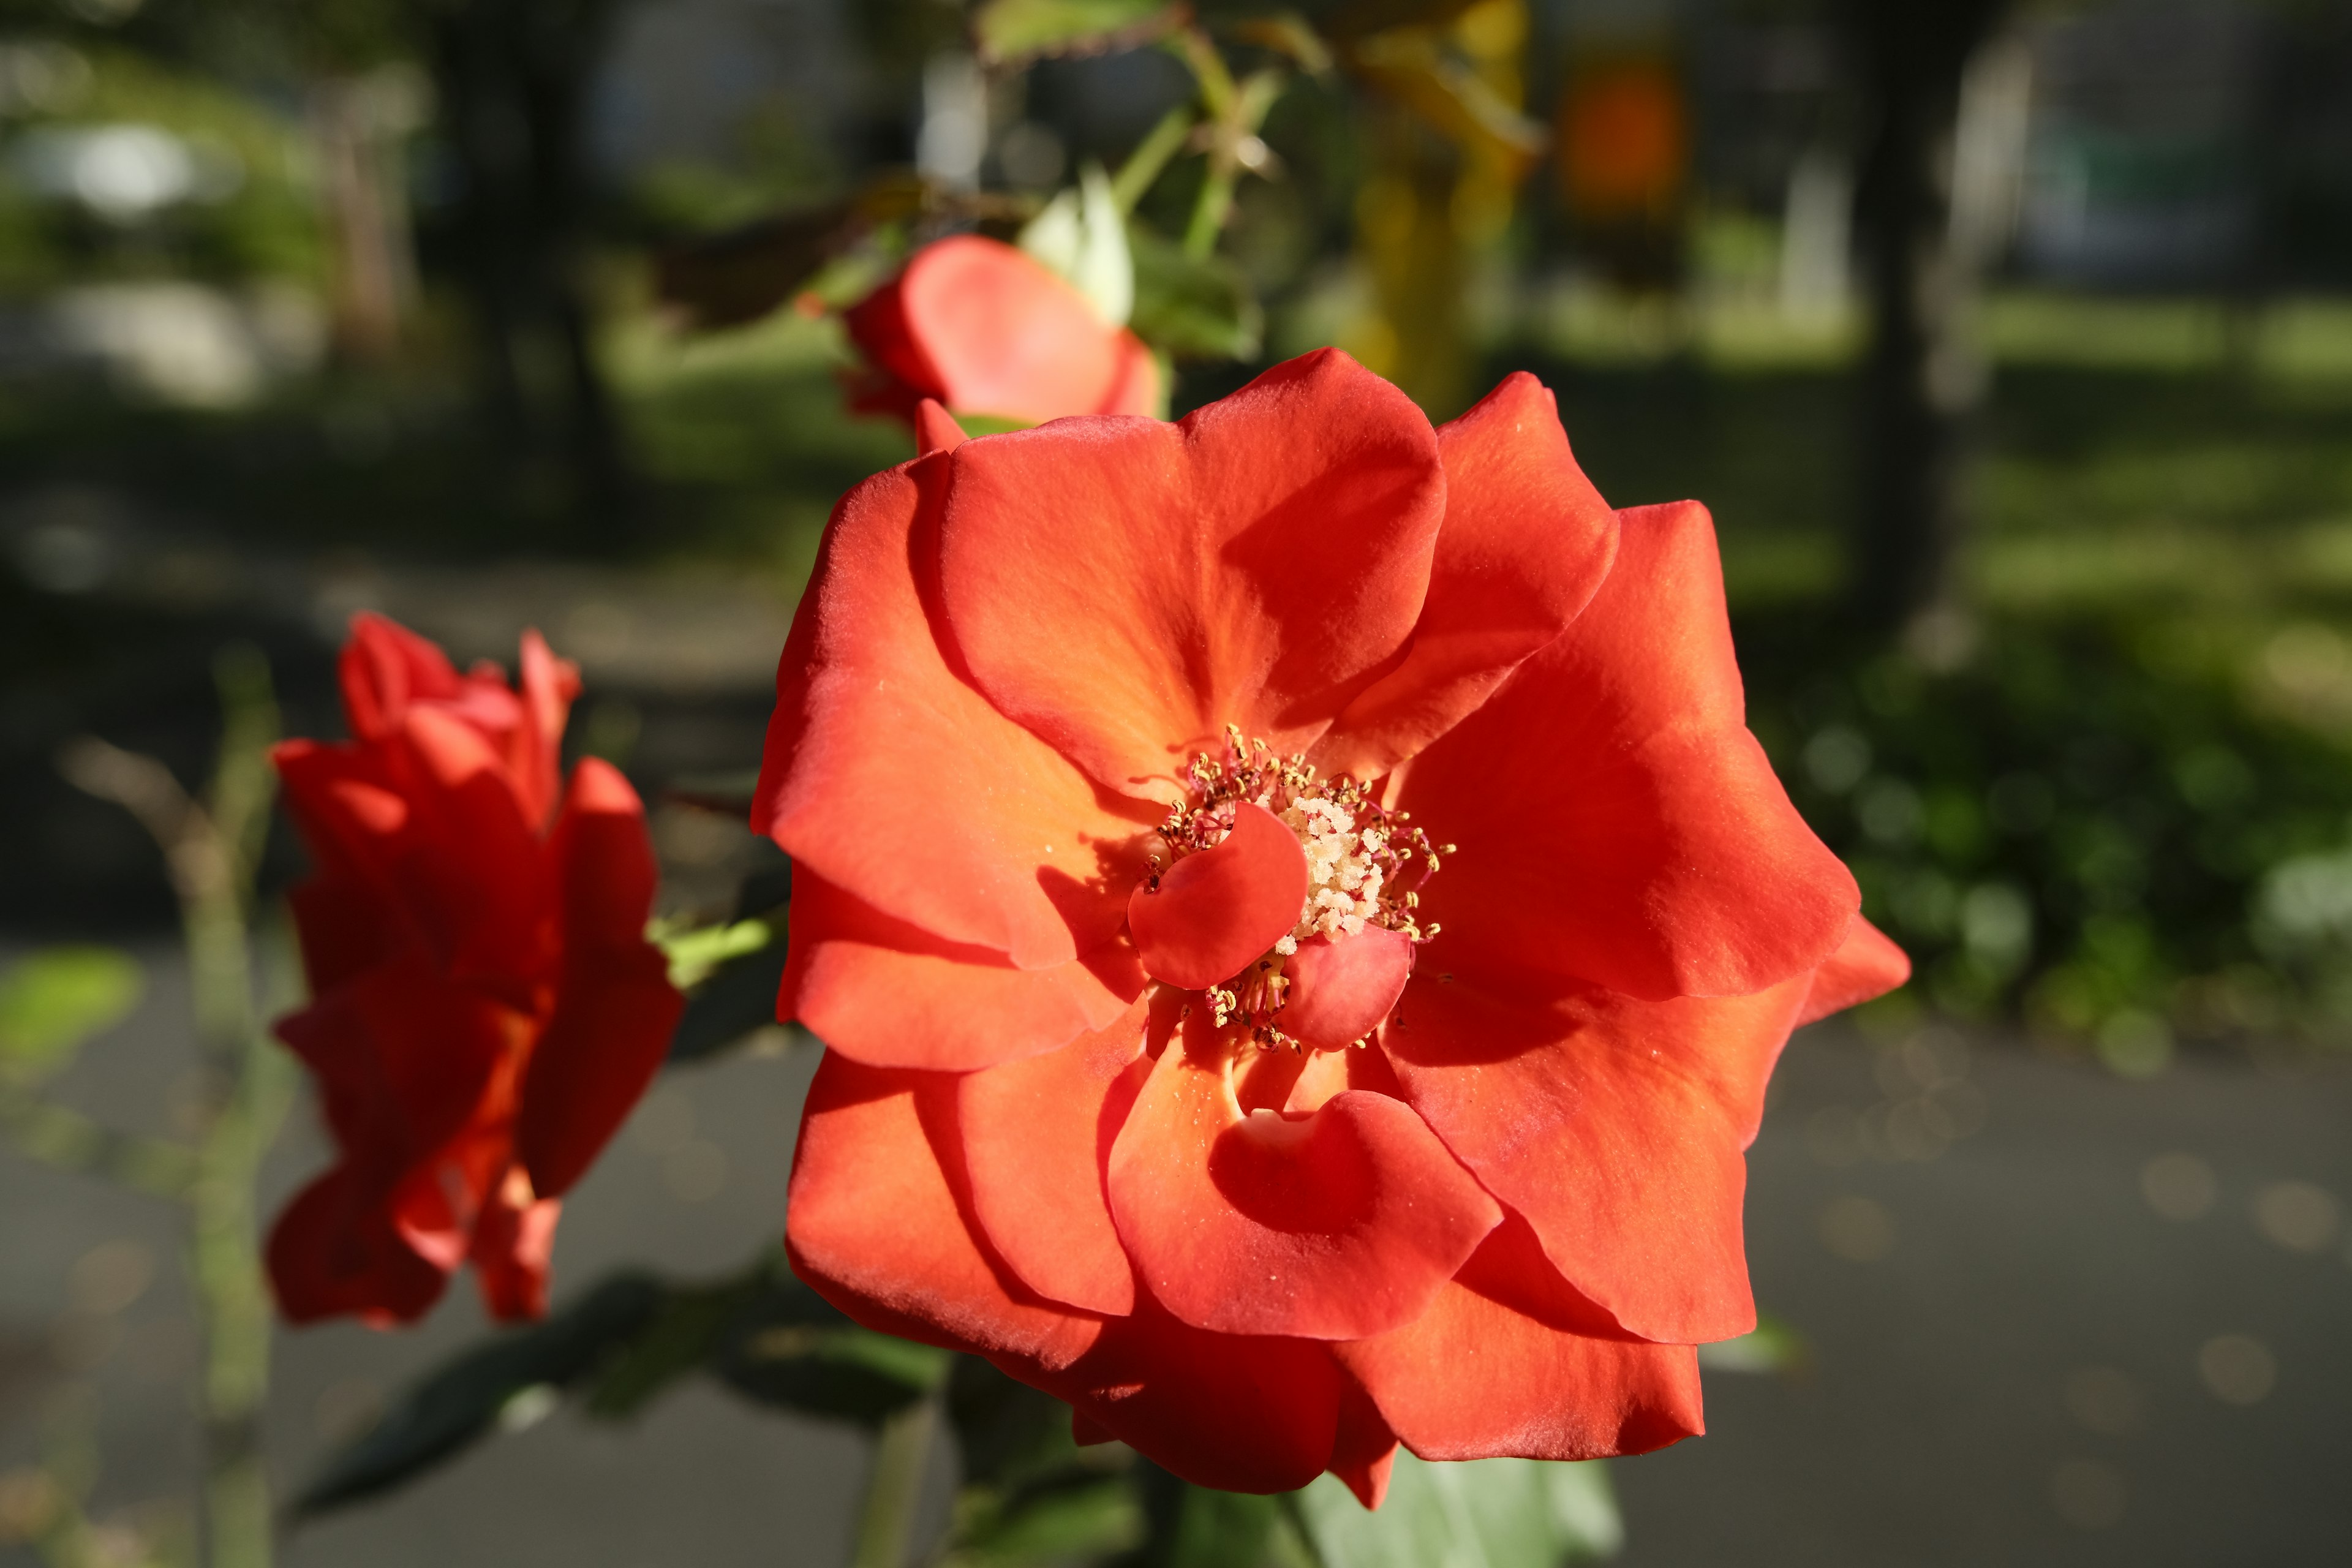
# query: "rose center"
(1291, 900)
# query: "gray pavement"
(2014, 1354)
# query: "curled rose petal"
(1215, 911)
(1334, 1225)
(1342, 987)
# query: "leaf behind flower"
(1486, 1514)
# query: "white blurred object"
(954, 133)
(1081, 235)
(1817, 236)
(1988, 143)
(173, 342)
(124, 172)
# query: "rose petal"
(936, 429)
(891, 995)
(1865, 965)
(1526, 543)
(1614, 1125)
(1035, 1133)
(334, 1251)
(1616, 820)
(1343, 1224)
(1363, 1450)
(1215, 911)
(1479, 1374)
(547, 687)
(893, 780)
(514, 1237)
(383, 668)
(1127, 588)
(1238, 1413)
(1341, 988)
(1008, 336)
(877, 1224)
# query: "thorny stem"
(1234, 111)
(900, 1451)
(213, 851)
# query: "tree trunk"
(514, 76)
(1923, 380)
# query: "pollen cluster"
(1365, 863)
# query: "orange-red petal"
(514, 1237)
(1214, 912)
(1239, 1413)
(1867, 964)
(1335, 1225)
(1616, 821)
(1127, 588)
(1484, 1373)
(1342, 987)
(1035, 1134)
(1003, 334)
(892, 778)
(878, 1223)
(615, 1008)
(936, 429)
(1527, 543)
(891, 995)
(1612, 1125)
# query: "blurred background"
(2010, 344)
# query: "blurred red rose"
(985, 327)
(1301, 929)
(485, 1008)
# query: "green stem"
(216, 863)
(233, 1307)
(1152, 154)
(899, 1454)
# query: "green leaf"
(1488, 1513)
(787, 1346)
(1081, 235)
(440, 1416)
(695, 954)
(55, 998)
(736, 995)
(681, 1335)
(740, 998)
(1075, 1517)
(1191, 307)
(1022, 29)
(1771, 1346)
(1195, 1527)
(1006, 1431)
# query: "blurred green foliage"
(2117, 806)
(2078, 822)
(254, 217)
(55, 998)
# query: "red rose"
(986, 328)
(1301, 929)
(485, 1006)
